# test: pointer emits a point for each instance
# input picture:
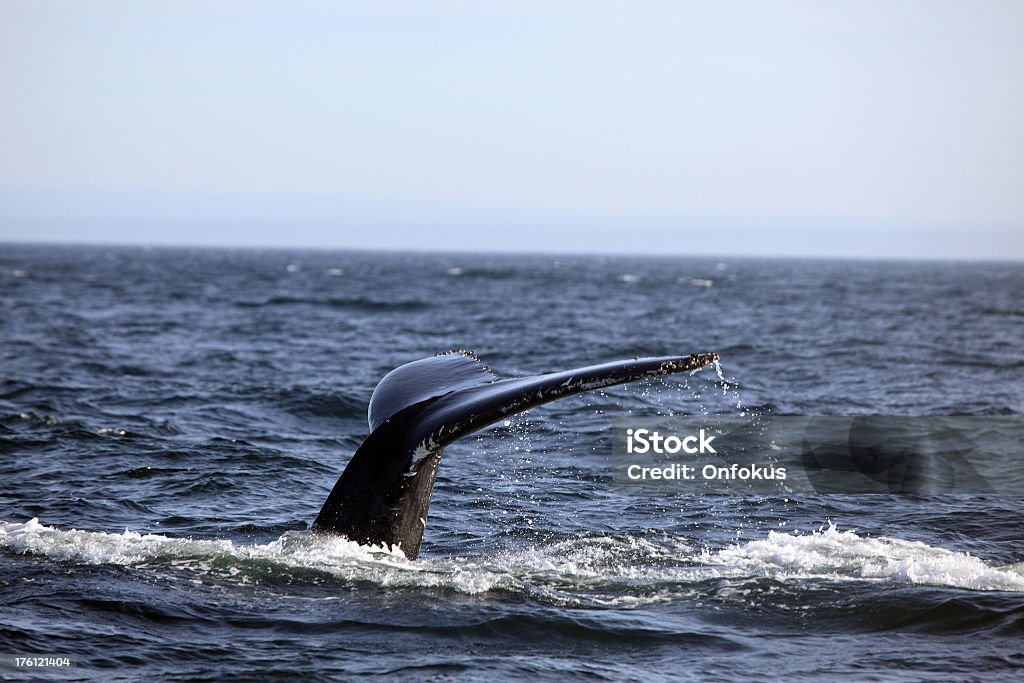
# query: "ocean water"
(171, 421)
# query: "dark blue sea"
(171, 421)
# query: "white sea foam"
(845, 555)
(131, 548)
(586, 570)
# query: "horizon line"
(169, 246)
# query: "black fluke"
(383, 495)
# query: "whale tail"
(417, 409)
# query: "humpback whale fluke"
(417, 409)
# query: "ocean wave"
(355, 304)
(830, 553)
(593, 571)
(304, 402)
(493, 273)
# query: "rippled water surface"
(172, 420)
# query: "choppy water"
(172, 420)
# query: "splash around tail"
(383, 496)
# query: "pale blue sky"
(809, 128)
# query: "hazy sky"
(890, 128)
